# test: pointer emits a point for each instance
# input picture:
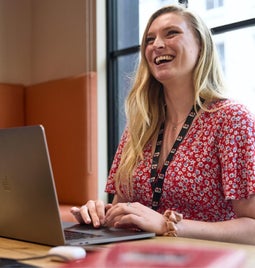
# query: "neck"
(178, 104)
(177, 116)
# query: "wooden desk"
(17, 249)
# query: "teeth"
(163, 58)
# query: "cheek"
(192, 54)
(148, 55)
(195, 54)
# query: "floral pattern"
(214, 164)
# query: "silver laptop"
(28, 199)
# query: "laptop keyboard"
(70, 235)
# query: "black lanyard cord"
(156, 179)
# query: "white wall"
(101, 87)
(60, 38)
(42, 40)
(15, 41)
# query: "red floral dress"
(214, 164)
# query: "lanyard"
(157, 180)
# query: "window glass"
(214, 12)
(146, 8)
(126, 66)
(237, 57)
(211, 4)
(126, 28)
(221, 53)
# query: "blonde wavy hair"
(145, 103)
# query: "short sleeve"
(237, 152)
(110, 185)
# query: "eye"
(149, 40)
(172, 33)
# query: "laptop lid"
(28, 199)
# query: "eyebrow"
(167, 28)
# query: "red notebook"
(158, 255)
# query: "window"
(238, 57)
(211, 4)
(123, 49)
(221, 51)
(233, 27)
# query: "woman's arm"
(239, 230)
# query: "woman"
(185, 165)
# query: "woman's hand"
(92, 212)
(135, 215)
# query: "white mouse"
(70, 253)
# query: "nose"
(159, 43)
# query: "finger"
(100, 209)
(107, 207)
(77, 215)
(120, 208)
(116, 211)
(92, 212)
(123, 215)
(113, 222)
(85, 214)
(143, 221)
(129, 221)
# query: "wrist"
(172, 218)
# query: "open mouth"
(163, 59)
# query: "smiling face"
(171, 48)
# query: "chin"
(163, 78)
(163, 75)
